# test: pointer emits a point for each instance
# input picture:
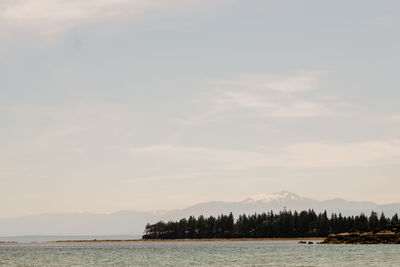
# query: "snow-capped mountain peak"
(282, 196)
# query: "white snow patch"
(279, 196)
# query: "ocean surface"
(237, 253)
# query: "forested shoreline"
(285, 224)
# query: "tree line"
(284, 224)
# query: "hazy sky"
(110, 105)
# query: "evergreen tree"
(373, 221)
(395, 219)
(282, 224)
(382, 221)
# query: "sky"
(110, 105)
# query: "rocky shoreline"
(382, 237)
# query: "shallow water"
(238, 253)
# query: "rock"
(302, 242)
(382, 237)
(310, 243)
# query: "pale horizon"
(157, 105)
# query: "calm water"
(263, 253)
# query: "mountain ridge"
(133, 222)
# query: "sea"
(204, 253)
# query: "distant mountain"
(133, 222)
(283, 200)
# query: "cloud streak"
(263, 96)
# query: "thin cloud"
(395, 117)
(343, 154)
(301, 109)
(263, 95)
(54, 16)
(271, 106)
(180, 160)
(272, 95)
(299, 82)
(260, 96)
(177, 160)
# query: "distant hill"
(133, 222)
